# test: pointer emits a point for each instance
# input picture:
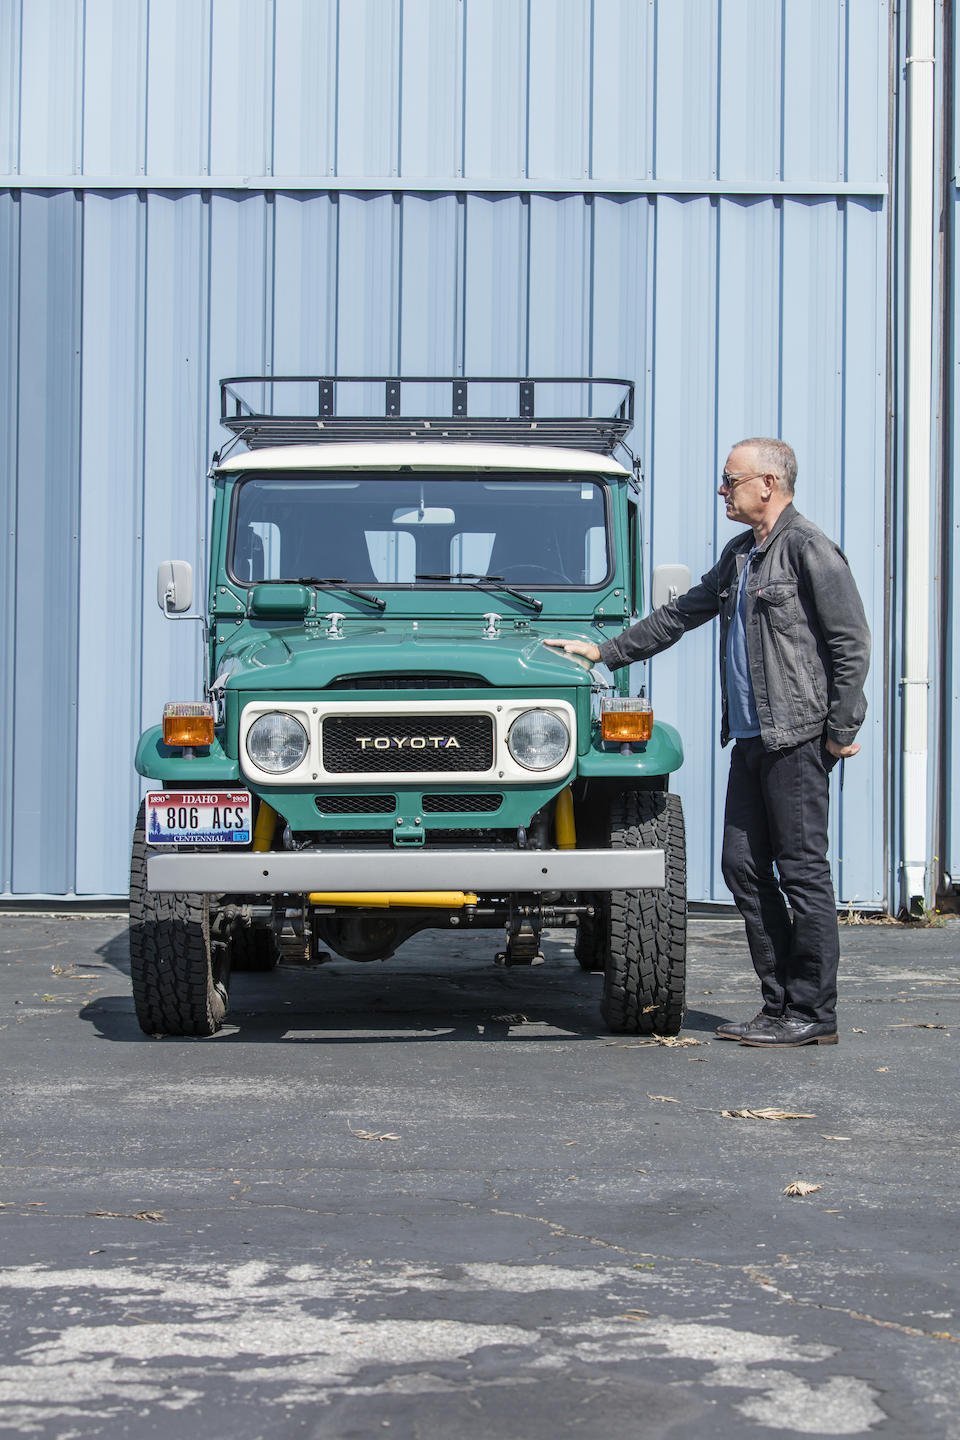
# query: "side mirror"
(174, 586)
(669, 583)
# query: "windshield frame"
(458, 587)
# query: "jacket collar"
(744, 543)
(786, 517)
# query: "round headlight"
(276, 743)
(538, 740)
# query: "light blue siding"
(306, 97)
(111, 530)
(126, 295)
(683, 91)
(9, 440)
(950, 793)
(114, 81)
(43, 733)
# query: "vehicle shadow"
(428, 992)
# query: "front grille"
(349, 744)
(407, 682)
(461, 804)
(356, 804)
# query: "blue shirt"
(741, 705)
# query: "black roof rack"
(252, 408)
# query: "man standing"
(794, 653)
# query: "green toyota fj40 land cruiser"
(385, 744)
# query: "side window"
(595, 555)
(633, 550)
(393, 556)
(470, 553)
(257, 555)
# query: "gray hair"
(777, 456)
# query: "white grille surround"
(421, 719)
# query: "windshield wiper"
(329, 582)
(489, 582)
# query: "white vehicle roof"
(420, 455)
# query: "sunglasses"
(730, 482)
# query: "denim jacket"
(807, 637)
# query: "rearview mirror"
(424, 515)
(174, 586)
(669, 583)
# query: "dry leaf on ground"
(917, 1025)
(156, 1217)
(835, 1137)
(857, 1031)
(666, 1099)
(512, 1018)
(670, 1042)
(882, 1069)
(801, 1187)
(769, 1113)
(374, 1135)
(635, 1315)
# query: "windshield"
(447, 529)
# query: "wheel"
(253, 948)
(179, 977)
(645, 934)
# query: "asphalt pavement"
(433, 1198)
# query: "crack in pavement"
(748, 1272)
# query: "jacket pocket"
(779, 604)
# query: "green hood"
(304, 661)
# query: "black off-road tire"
(178, 988)
(253, 948)
(646, 930)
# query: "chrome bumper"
(485, 871)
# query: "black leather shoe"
(787, 1033)
(734, 1030)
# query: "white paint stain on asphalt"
(299, 1336)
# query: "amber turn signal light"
(187, 724)
(626, 720)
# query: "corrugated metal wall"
(951, 510)
(690, 193)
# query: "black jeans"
(776, 814)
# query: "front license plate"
(198, 817)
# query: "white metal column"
(916, 879)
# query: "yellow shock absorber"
(266, 824)
(564, 825)
(382, 899)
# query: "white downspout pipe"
(915, 683)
